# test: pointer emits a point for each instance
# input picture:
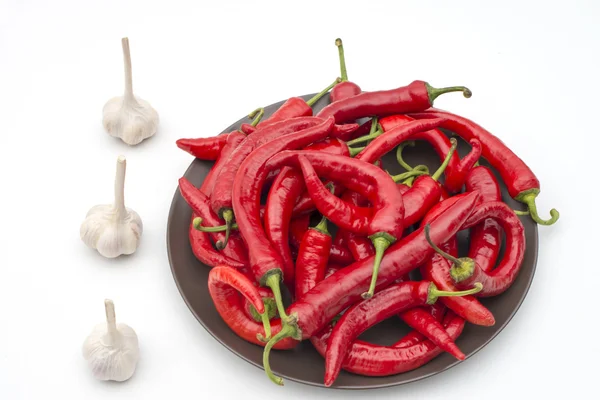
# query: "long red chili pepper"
(278, 213)
(204, 148)
(332, 295)
(203, 250)
(234, 139)
(345, 88)
(484, 238)
(521, 182)
(313, 257)
(417, 96)
(340, 254)
(386, 223)
(465, 271)
(265, 261)
(386, 303)
(296, 107)
(298, 227)
(457, 170)
(225, 286)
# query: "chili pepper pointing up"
(345, 88)
(386, 223)
(313, 257)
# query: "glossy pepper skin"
(198, 202)
(313, 257)
(437, 270)
(394, 299)
(298, 227)
(340, 254)
(283, 194)
(521, 182)
(457, 169)
(502, 277)
(345, 88)
(486, 237)
(204, 148)
(234, 139)
(265, 261)
(417, 96)
(225, 286)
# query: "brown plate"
(304, 364)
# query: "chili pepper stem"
(265, 318)
(311, 102)
(519, 212)
(285, 332)
(528, 198)
(436, 175)
(434, 293)
(463, 267)
(404, 176)
(343, 71)
(228, 217)
(365, 138)
(436, 92)
(273, 282)
(322, 226)
(355, 150)
(381, 242)
(399, 158)
(257, 115)
(198, 226)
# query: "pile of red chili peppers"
(323, 171)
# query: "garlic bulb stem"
(111, 321)
(120, 188)
(128, 73)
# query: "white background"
(533, 68)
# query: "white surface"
(533, 68)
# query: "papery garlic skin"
(113, 229)
(111, 350)
(129, 117)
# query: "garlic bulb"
(111, 350)
(128, 117)
(113, 229)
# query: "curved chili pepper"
(521, 182)
(484, 238)
(313, 257)
(298, 227)
(465, 271)
(234, 139)
(265, 261)
(386, 303)
(360, 246)
(386, 223)
(297, 107)
(278, 213)
(224, 286)
(203, 250)
(204, 148)
(267, 299)
(199, 204)
(329, 297)
(340, 254)
(345, 88)
(417, 96)
(457, 170)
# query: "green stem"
(285, 332)
(198, 226)
(273, 281)
(519, 212)
(374, 125)
(441, 252)
(355, 150)
(381, 242)
(311, 102)
(435, 92)
(228, 217)
(434, 292)
(257, 115)
(528, 198)
(322, 226)
(442, 167)
(340, 46)
(399, 158)
(365, 138)
(409, 182)
(463, 267)
(404, 176)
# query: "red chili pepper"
(465, 271)
(278, 213)
(386, 223)
(234, 139)
(267, 299)
(225, 285)
(204, 148)
(297, 107)
(484, 238)
(340, 254)
(417, 96)
(360, 246)
(203, 250)
(298, 227)
(457, 170)
(386, 303)
(313, 257)
(265, 261)
(199, 204)
(331, 269)
(329, 297)
(521, 182)
(345, 88)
